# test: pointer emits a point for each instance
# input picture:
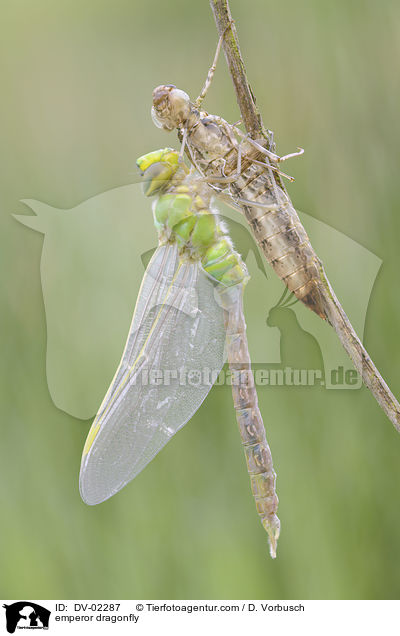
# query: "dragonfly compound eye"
(171, 107)
(156, 178)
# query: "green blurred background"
(76, 82)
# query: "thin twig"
(247, 103)
(334, 312)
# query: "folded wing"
(174, 351)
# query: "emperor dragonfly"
(188, 312)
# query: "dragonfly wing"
(175, 344)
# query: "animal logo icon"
(299, 349)
(26, 615)
(92, 264)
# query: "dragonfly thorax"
(183, 215)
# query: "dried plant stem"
(225, 26)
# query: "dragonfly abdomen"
(280, 234)
(251, 427)
(260, 469)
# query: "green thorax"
(183, 215)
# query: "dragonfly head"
(157, 168)
(171, 107)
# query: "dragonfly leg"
(190, 153)
(211, 70)
(274, 168)
(271, 155)
(274, 157)
(272, 145)
(182, 150)
(239, 160)
(300, 151)
(265, 206)
(228, 200)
